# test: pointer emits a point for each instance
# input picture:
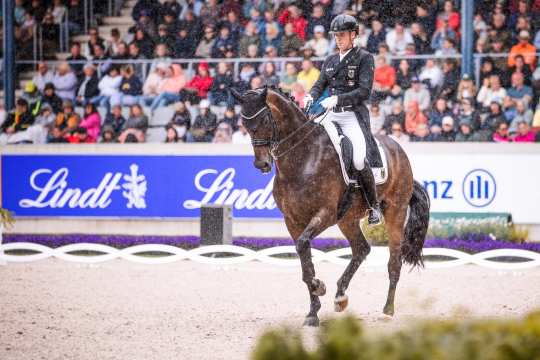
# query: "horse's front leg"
(315, 286)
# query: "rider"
(349, 77)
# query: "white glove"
(329, 102)
(308, 101)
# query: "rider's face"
(344, 40)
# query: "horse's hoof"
(319, 289)
(311, 321)
(340, 303)
(388, 310)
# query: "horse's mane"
(290, 100)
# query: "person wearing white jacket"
(109, 89)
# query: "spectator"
(422, 43)
(293, 15)
(56, 136)
(288, 78)
(42, 76)
(271, 37)
(404, 75)
(491, 91)
(431, 74)
(501, 135)
(250, 37)
(447, 133)
(448, 48)
(467, 113)
(317, 18)
(183, 45)
(172, 135)
(224, 46)
(107, 135)
(170, 19)
(524, 48)
(130, 87)
(91, 122)
(397, 134)
(49, 96)
(418, 93)
(383, 80)
(31, 95)
(241, 135)
(65, 82)
(67, 120)
(76, 56)
(114, 121)
(144, 44)
(109, 89)
(223, 134)
(16, 122)
(94, 39)
(376, 36)
(204, 49)
(465, 132)
(111, 45)
(101, 58)
(181, 120)
(397, 115)
(523, 114)
(319, 42)
(88, 87)
(443, 33)
(413, 117)
(421, 134)
(450, 82)
(37, 9)
(270, 53)
(75, 17)
(161, 55)
(204, 125)
(488, 68)
(437, 114)
(269, 75)
(200, 84)
(291, 42)
(210, 12)
(524, 133)
(148, 7)
(170, 88)
(376, 117)
(219, 93)
(522, 68)
(46, 118)
(490, 123)
(466, 88)
(79, 136)
(425, 17)
(519, 91)
(234, 25)
(298, 93)
(135, 127)
(398, 38)
(152, 84)
(247, 72)
(50, 34)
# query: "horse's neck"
(288, 117)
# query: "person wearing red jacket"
(293, 15)
(199, 86)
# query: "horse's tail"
(416, 227)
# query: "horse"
(312, 195)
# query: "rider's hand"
(308, 101)
(329, 102)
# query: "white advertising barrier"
(481, 178)
(378, 256)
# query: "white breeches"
(349, 124)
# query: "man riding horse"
(349, 77)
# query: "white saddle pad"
(380, 174)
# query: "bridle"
(274, 142)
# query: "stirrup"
(374, 217)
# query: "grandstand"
(160, 71)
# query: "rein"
(274, 142)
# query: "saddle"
(344, 150)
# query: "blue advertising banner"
(134, 186)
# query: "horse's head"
(257, 119)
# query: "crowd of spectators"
(414, 99)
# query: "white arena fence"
(231, 254)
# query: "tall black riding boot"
(367, 181)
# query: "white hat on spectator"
(162, 66)
(318, 29)
(448, 120)
(524, 34)
(204, 104)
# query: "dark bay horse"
(312, 195)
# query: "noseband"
(274, 142)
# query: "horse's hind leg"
(360, 249)
(395, 220)
(315, 286)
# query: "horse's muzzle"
(262, 165)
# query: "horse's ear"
(265, 91)
(237, 95)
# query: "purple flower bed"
(471, 243)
